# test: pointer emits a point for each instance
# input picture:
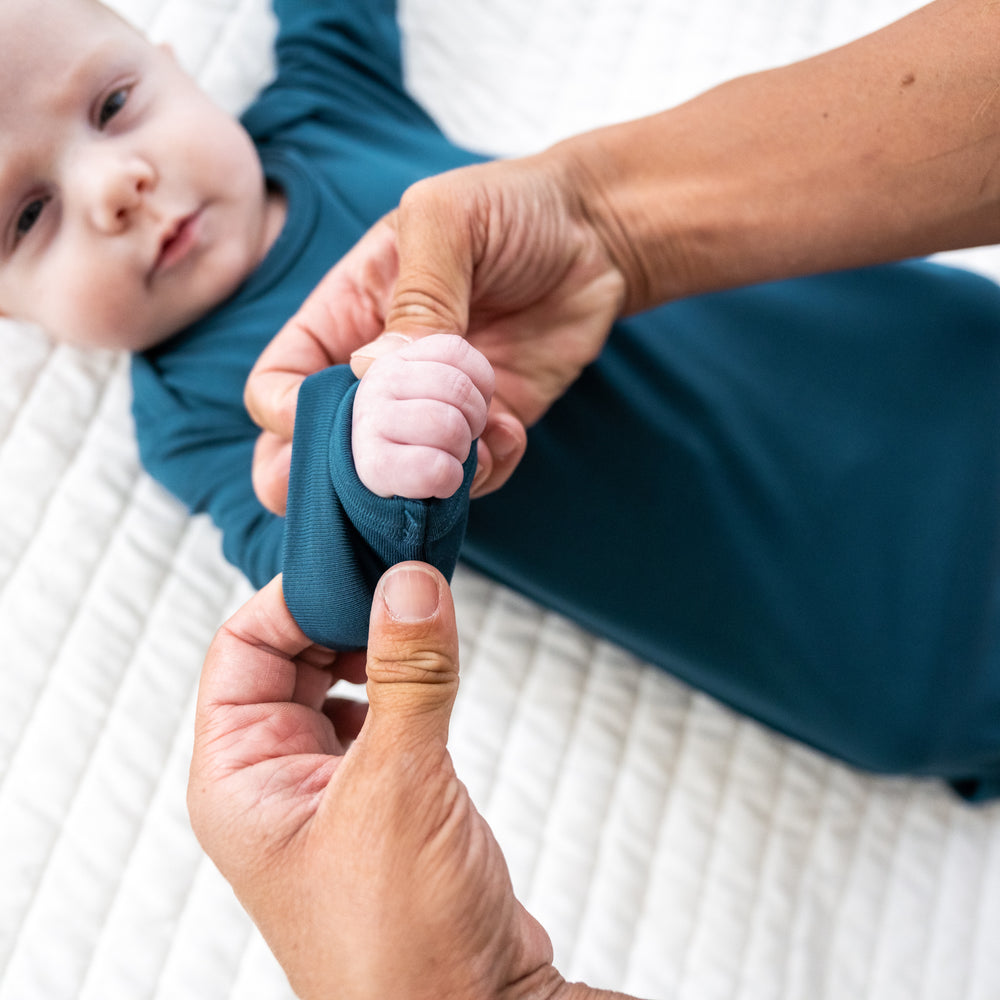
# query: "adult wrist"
(672, 213)
(624, 206)
(875, 151)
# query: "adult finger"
(252, 659)
(272, 463)
(501, 448)
(348, 716)
(344, 311)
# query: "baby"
(133, 207)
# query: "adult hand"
(877, 150)
(369, 871)
(500, 253)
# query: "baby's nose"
(118, 185)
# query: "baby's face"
(130, 204)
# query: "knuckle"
(461, 390)
(459, 353)
(423, 300)
(400, 663)
(456, 433)
(445, 475)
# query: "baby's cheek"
(94, 310)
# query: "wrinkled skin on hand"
(349, 838)
(499, 253)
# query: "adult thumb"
(412, 655)
(435, 260)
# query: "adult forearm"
(882, 149)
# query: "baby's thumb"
(412, 655)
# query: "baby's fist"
(417, 413)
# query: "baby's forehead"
(38, 33)
(47, 47)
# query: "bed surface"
(671, 848)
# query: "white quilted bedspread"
(671, 848)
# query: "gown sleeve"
(203, 454)
(346, 52)
(340, 538)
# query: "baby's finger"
(425, 422)
(417, 472)
(399, 379)
(450, 350)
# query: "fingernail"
(410, 593)
(384, 344)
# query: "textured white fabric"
(671, 848)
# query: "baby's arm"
(416, 415)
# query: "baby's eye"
(113, 103)
(29, 216)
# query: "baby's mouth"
(177, 241)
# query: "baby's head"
(130, 204)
